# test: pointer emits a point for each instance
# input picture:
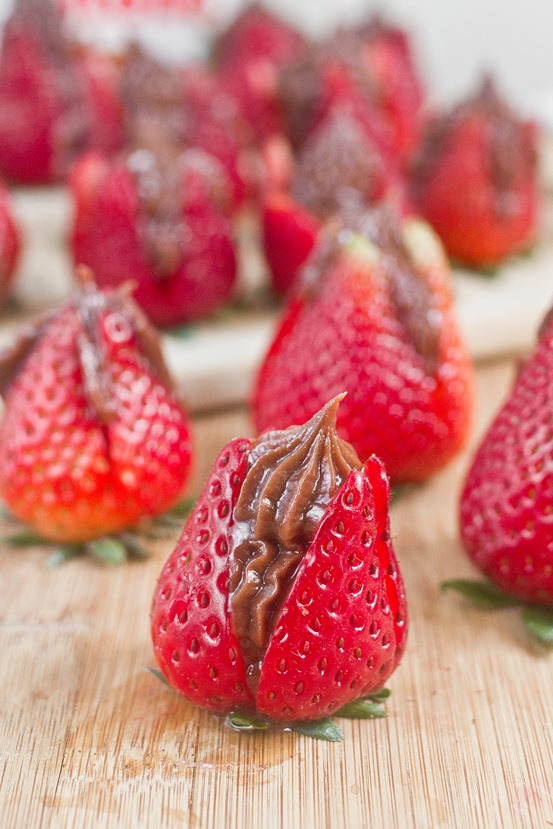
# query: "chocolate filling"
(292, 476)
(414, 301)
(336, 168)
(161, 173)
(153, 98)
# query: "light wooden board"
(215, 363)
(90, 740)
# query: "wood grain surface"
(88, 738)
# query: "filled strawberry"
(372, 314)
(158, 215)
(340, 168)
(370, 67)
(55, 99)
(186, 106)
(9, 244)
(476, 182)
(92, 439)
(247, 56)
(506, 504)
(283, 596)
(44, 118)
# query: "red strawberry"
(158, 217)
(373, 316)
(283, 595)
(389, 62)
(340, 167)
(370, 67)
(289, 235)
(9, 244)
(476, 180)
(187, 107)
(92, 438)
(506, 524)
(102, 77)
(247, 56)
(216, 123)
(45, 117)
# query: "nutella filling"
(336, 168)
(414, 301)
(162, 173)
(292, 476)
(90, 305)
(153, 98)
(159, 181)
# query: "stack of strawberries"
(283, 599)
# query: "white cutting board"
(215, 361)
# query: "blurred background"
(455, 41)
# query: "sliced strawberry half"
(191, 631)
(341, 631)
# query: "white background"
(454, 40)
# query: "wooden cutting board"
(214, 362)
(90, 740)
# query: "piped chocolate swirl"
(292, 476)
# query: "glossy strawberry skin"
(193, 640)
(289, 234)
(505, 508)
(481, 216)
(107, 238)
(343, 628)
(9, 243)
(346, 336)
(67, 473)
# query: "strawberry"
(372, 69)
(505, 508)
(247, 57)
(45, 118)
(92, 437)
(373, 315)
(475, 180)
(289, 234)
(102, 78)
(216, 123)
(283, 596)
(157, 216)
(340, 166)
(9, 243)
(399, 94)
(338, 169)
